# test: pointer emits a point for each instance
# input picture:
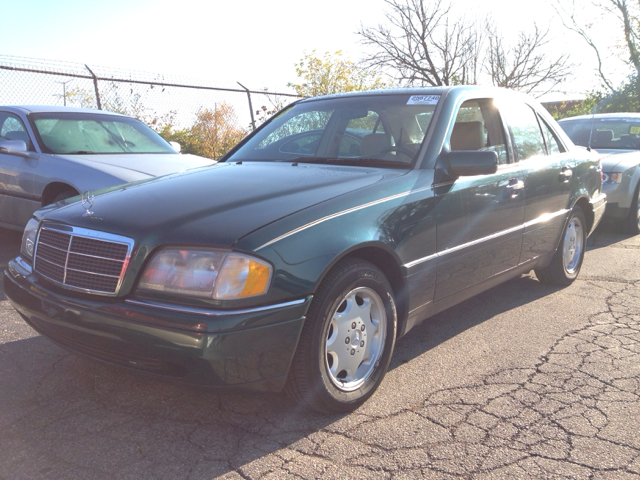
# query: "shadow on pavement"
(66, 416)
(605, 235)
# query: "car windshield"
(88, 133)
(383, 130)
(606, 133)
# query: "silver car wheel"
(355, 338)
(572, 245)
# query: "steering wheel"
(406, 151)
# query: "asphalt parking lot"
(525, 380)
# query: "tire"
(567, 261)
(631, 224)
(337, 367)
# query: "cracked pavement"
(524, 380)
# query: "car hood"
(214, 205)
(147, 164)
(618, 159)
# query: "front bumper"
(618, 199)
(615, 212)
(251, 348)
(598, 207)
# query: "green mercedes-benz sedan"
(297, 261)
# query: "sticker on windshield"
(634, 130)
(423, 99)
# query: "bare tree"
(569, 20)
(422, 45)
(627, 14)
(524, 66)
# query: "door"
(16, 176)
(479, 218)
(547, 168)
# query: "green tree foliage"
(188, 143)
(624, 99)
(332, 73)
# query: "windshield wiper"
(77, 152)
(120, 141)
(352, 161)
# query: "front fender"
(303, 247)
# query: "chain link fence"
(205, 119)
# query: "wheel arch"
(585, 206)
(53, 189)
(384, 258)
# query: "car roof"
(490, 91)
(635, 116)
(26, 109)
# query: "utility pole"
(64, 91)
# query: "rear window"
(606, 133)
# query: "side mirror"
(176, 146)
(17, 148)
(472, 162)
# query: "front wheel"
(567, 260)
(347, 340)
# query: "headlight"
(29, 238)
(215, 274)
(612, 177)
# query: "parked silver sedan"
(48, 154)
(617, 137)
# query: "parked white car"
(48, 154)
(617, 136)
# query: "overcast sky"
(254, 42)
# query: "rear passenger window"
(553, 145)
(525, 129)
(478, 127)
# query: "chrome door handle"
(513, 189)
(565, 174)
(516, 185)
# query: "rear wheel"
(567, 260)
(347, 340)
(631, 224)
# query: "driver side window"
(13, 129)
(478, 126)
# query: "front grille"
(81, 259)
